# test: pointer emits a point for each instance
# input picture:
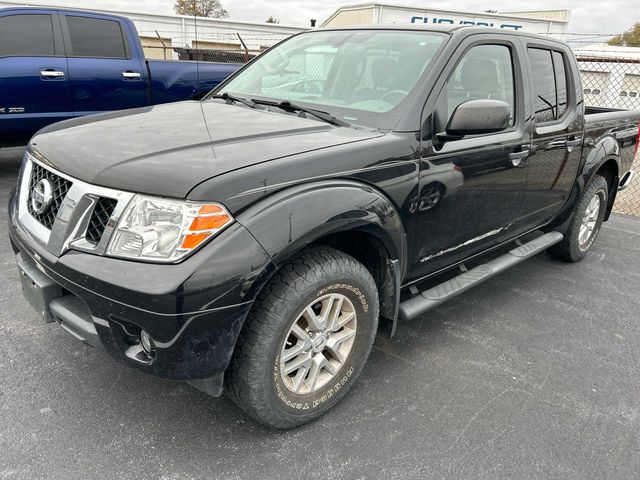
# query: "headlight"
(160, 230)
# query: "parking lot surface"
(534, 374)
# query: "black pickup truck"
(254, 241)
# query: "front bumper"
(193, 310)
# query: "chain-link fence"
(158, 52)
(611, 80)
(221, 55)
(207, 45)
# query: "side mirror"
(475, 117)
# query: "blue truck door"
(104, 71)
(33, 79)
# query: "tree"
(630, 38)
(200, 8)
(272, 19)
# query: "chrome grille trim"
(72, 220)
(99, 219)
(60, 188)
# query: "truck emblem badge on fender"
(41, 196)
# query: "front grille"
(59, 188)
(99, 217)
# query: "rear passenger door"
(104, 73)
(33, 74)
(557, 131)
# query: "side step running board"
(425, 301)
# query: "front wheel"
(306, 339)
(585, 222)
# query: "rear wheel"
(306, 339)
(585, 222)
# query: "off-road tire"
(254, 380)
(570, 249)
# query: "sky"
(587, 16)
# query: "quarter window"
(26, 35)
(549, 84)
(92, 37)
(561, 82)
(485, 71)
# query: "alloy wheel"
(589, 221)
(318, 343)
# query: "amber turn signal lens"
(191, 241)
(209, 223)
(208, 209)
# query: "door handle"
(130, 74)
(557, 144)
(573, 141)
(517, 157)
(51, 73)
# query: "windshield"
(359, 76)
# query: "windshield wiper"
(234, 99)
(287, 105)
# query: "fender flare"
(313, 211)
(605, 150)
(287, 221)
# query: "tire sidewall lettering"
(309, 404)
(345, 286)
(321, 398)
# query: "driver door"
(471, 189)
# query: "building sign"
(463, 21)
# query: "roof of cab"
(442, 28)
(47, 8)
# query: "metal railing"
(221, 55)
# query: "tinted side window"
(544, 85)
(485, 71)
(92, 37)
(26, 35)
(561, 82)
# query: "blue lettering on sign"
(450, 21)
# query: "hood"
(169, 149)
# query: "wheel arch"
(610, 170)
(371, 252)
(349, 216)
(601, 158)
(604, 163)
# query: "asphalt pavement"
(532, 375)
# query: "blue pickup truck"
(58, 64)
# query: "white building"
(610, 76)
(548, 22)
(160, 33)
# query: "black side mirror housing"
(476, 117)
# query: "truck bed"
(620, 125)
(175, 80)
